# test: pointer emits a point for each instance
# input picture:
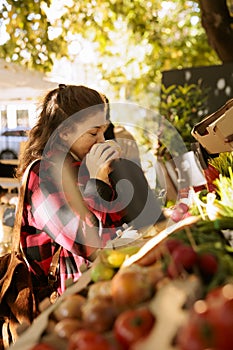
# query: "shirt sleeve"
(100, 190)
(103, 201)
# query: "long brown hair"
(57, 106)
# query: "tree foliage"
(135, 40)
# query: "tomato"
(132, 325)
(86, 339)
(171, 244)
(207, 264)
(190, 336)
(210, 323)
(220, 306)
(183, 257)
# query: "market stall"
(175, 276)
(168, 286)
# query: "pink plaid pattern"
(48, 219)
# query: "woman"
(68, 139)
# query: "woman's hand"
(98, 160)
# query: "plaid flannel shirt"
(48, 219)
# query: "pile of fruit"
(176, 295)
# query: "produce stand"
(166, 302)
(33, 334)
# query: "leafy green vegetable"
(223, 163)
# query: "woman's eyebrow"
(100, 126)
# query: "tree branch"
(216, 21)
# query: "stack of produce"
(173, 295)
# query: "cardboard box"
(212, 130)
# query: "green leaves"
(144, 37)
(183, 106)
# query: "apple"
(70, 307)
(131, 286)
(67, 326)
(99, 314)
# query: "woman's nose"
(101, 137)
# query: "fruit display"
(173, 292)
(170, 289)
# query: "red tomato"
(208, 264)
(132, 325)
(220, 305)
(172, 243)
(86, 339)
(210, 323)
(183, 257)
(190, 336)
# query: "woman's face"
(85, 134)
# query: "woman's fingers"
(104, 151)
(98, 160)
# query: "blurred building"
(20, 90)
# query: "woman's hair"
(56, 107)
